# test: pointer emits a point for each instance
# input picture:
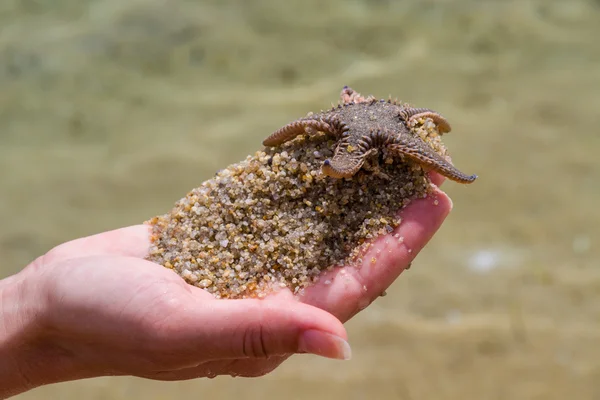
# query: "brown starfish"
(362, 126)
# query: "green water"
(111, 111)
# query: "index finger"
(132, 241)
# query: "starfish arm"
(429, 159)
(299, 127)
(346, 161)
(338, 128)
(410, 114)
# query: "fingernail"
(324, 344)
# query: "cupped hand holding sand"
(95, 307)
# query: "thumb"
(253, 328)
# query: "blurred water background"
(111, 110)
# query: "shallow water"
(111, 111)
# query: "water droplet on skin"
(363, 303)
(211, 375)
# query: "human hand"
(94, 307)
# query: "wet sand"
(110, 112)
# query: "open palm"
(107, 311)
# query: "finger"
(245, 367)
(345, 291)
(257, 329)
(392, 254)
(436, 178)
(132, 241)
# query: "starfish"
(363, 126)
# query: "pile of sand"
(273, 220)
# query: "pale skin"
(94, 307)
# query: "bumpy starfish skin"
(330, 124)
(362, 126)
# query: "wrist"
(14, 337)
(28, 357)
